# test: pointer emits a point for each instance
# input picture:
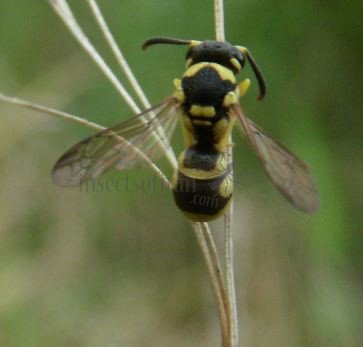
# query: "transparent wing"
(290, 175)
(123, 146)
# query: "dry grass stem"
(231, 287)
(65, 13)
(118, 53)
(51, 111)
(219, 20)
(214, 273)
(129, 75)
(232, 307)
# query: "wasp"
(206, 103)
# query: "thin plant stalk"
(51, 111)
(63, 10)
(231, 288)
(128, 72)
(228, 236)
(214, 274)
(120, 58)
(219, 20)
(219, 272)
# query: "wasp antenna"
(257, 71)
(164, 40)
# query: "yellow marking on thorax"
(179, 93)
(203, 111)
(224, 73)
(230, 98)
(201, 122)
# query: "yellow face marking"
(224, 73)
(204, 111)
(236, 64)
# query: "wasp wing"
(128, 144)
(289, 174)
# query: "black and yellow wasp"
(206, 101)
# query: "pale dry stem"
(63, 10)
(232, 302)
(130, 76)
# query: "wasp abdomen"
(202, 199)
(202, 186)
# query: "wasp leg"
(243, 86)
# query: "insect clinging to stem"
(206, 101)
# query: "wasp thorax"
(207, 85)
(222, 53)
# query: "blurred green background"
(123, 268)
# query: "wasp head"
(222, 53)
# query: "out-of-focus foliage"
(121, 268)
